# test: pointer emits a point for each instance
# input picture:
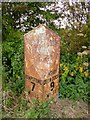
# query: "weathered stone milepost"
(41, 58)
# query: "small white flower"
(79, 53)
(80, 34)
(86, 52)
(86, 64)
(84, 47)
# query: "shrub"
(73, 78)
(13, 61)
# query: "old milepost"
(41, 60)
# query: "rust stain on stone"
(41, 58)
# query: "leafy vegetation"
(19, 18)
(13, 61)
(74, 77)
(17, 106)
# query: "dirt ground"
(65, 108)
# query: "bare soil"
(65, 108)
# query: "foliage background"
(19, 18)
